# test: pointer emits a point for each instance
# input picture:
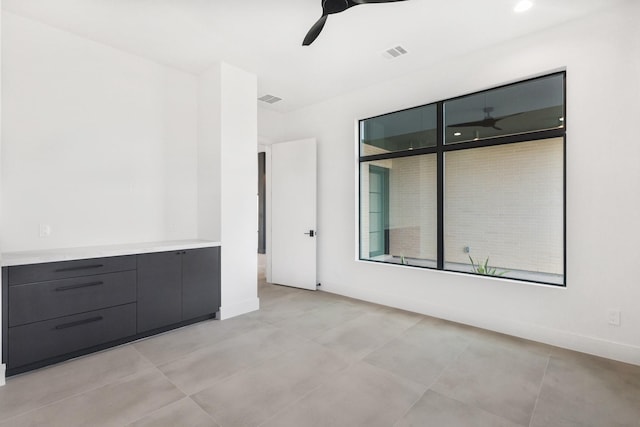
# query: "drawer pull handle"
(79, 322)
(78, 286)
(84, 267)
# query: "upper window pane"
(404, 130)
(530, 106)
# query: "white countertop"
(69, 254)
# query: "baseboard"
(3, 370)
(228, 311)
(556, 337)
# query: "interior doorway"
(262, 202)
(262, 217)
(288, 214)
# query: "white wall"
(99, 144)
(2, 365)
(602, 58)
(209, 146)
(239, 189)
(228, 180)
(269, 123)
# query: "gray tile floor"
(316, 359)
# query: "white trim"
(463, 274)
(243, 307)
(356, 169)
(559, 338)
(3, 369)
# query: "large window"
(473, 184)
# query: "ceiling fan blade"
(335, 6)
(507, 116)
(374, 1)
(314, 32)
(487, 122)
(477, 123)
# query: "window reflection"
(530, 106)
(404, 130)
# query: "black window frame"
(441, 148)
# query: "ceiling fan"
(487, 122)
(330, 7)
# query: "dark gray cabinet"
(58, 310)
(34, 302)
(41, 340)
(200, 282)
(177, 286)
(64, 269)
(159, 290)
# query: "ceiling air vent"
(270, 99)
(394, 52)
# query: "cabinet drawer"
(65, 269)
(38, 341)
(34, 302)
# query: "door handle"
(311, 233)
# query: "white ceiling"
(265, 36)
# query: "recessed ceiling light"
(523, 6)
(457, 134)
(561, 119)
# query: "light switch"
(45, 230)
(614, 317)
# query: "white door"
(293, 213)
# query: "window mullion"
(440, 184)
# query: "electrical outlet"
(45, 230)
(614, 317)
